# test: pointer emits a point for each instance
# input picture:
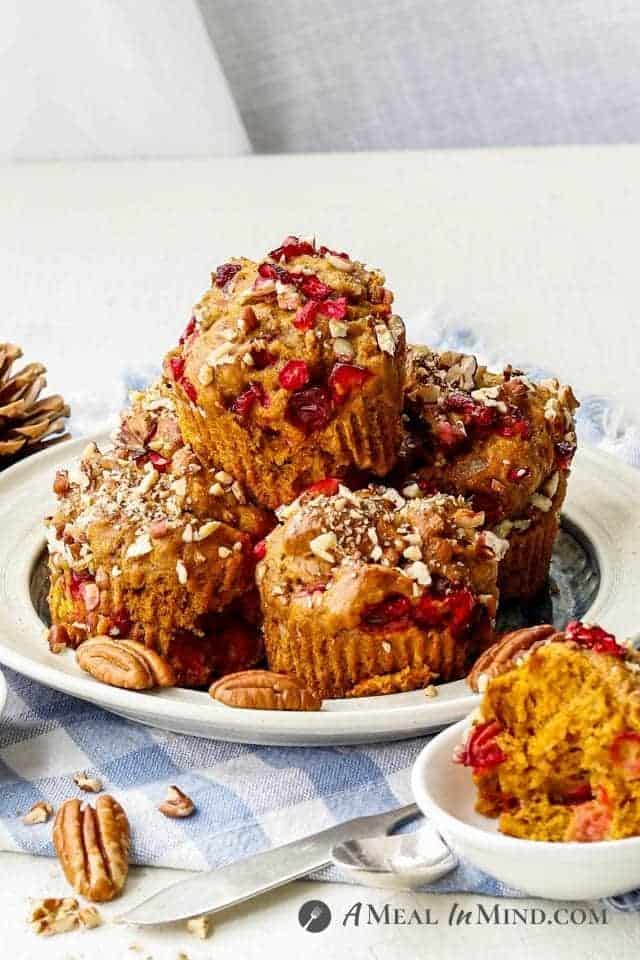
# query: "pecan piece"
(93, 846)
(177, 804)
(263, 690)
(125, 663)
(501, 656)
(38, 813)
(89, 784)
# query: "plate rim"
(367, 719)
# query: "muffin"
(367, 593)
(157, 549)
(291, 370)
(500, 439)
(555, 747)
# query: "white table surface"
(99, 265)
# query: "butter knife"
(248, 878)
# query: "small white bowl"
(446, 795)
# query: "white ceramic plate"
(445, 793)
(600, 507)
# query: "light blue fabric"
(247, 797)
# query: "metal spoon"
(401, 862)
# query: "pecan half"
(177, 804)
(501, 656)
(93, 846)
(263, 690)
(125, 663)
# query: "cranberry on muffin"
(555, 745)
(291, 369)
(154, 551)
(498, 438)
(366, 592)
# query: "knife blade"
(217, 889)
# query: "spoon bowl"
(400, 862)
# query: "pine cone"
(27, 424)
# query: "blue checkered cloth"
(248, 798)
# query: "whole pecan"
(263, 690)
(93, 846)
(125, 663)
(500, 657)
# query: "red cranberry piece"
(513, 425)
(336, 309)
(268, 270)
(448, 434)
(518, 473)
(189, 389)
(344, 378)
(293, 247)
(262, 358)
(188, 330)
(483, 416)
(260, 549)
(77, 579)
(481, 752)
(580, 794)
(177, 368)
(243, 404)
(314, 288)
(594, 638)
(324, 250)
(294, 375)
(428, 611)
(160, 463)
(226, 272)
(564, 454)
(120, 624)
(459, 605)
(309, 409)
(460, 402)
(326, 488)
(306, 316)
(393, 613)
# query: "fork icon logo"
(314, 916)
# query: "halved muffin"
(156, 549)
(555, 746)
(498, 438)
(366, 593)
(290, 370)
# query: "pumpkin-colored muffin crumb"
(555, 747)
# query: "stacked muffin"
(149, 544)
(402, 483)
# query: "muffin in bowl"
(367, 593)
(290, 370)
(555, 745)
(498, 438)
(158, 549)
